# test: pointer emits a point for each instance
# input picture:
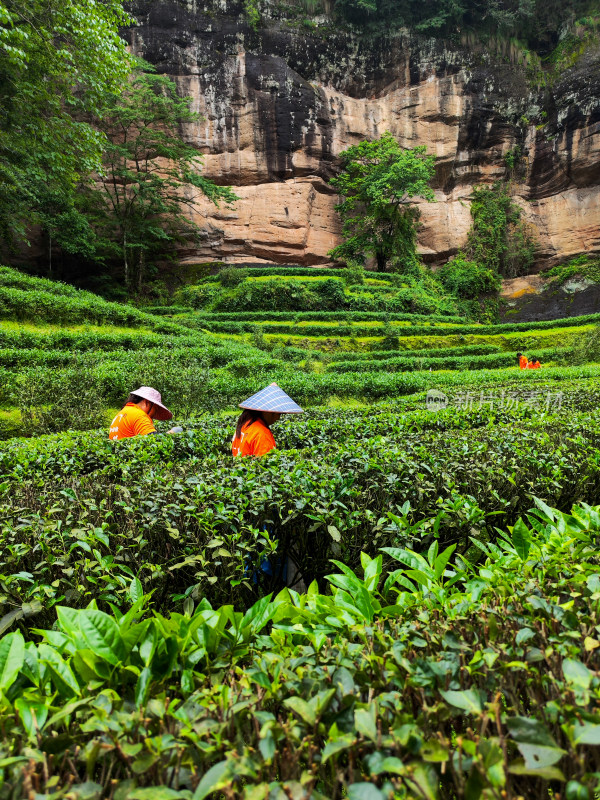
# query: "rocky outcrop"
(279, 103)
(534, 298)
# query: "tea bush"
(430, 352)
(423, 361)
(356, 329)
(81, 516)
(434, 679)
(25, 298)
(223, 387)
(322, 316)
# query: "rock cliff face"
(280, 102)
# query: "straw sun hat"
(272, 398)
(150, 394)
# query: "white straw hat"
(148, 393)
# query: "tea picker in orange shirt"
(522, 360)
(135, 418)
(253, 435)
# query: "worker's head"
(269, 417)
(149, 400)
(145, 405)
(249, 415)
(267, 405)
(533, 359)
(519, 355)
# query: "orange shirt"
(131, 421)
(255, 440)
(523, 362)
(534, 365)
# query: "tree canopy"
(147, 173)
(90, 144)
(378, 182)
(59, 61)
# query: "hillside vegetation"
(442, 639)
(68, 359)
(451, 644)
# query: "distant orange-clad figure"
(523, 363)
(534, 363)
(253, 435)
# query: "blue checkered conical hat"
(272, 398)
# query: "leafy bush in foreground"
(81, 516)
(432, 680)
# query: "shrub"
(232, 276)
(586, 349)
(331, 294)
(415, 670)
(51, 402)
(277, 295)
(197, 297)
(499, 240)
(468, 279)
(355, 274)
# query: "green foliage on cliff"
(537, 23)
(378, 181)
(499, 239)
(585, 266)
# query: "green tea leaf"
(62, 675)
(217, 777)
(529, 731)
(136, 590)
(156, 793)
(365, 721)
(304, 710)
(538, 756)
(521, 539)
(471, 700)
(364, 791)
(545, 773)
(33, 714)
(12, 656)
(102, 635)
(334, 533)
(337, 746)
(588, 733)
(577, 673)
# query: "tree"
(59, 61)
(377, 182)
(147, 173)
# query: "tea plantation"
(444, 640)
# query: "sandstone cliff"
(280, 102)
